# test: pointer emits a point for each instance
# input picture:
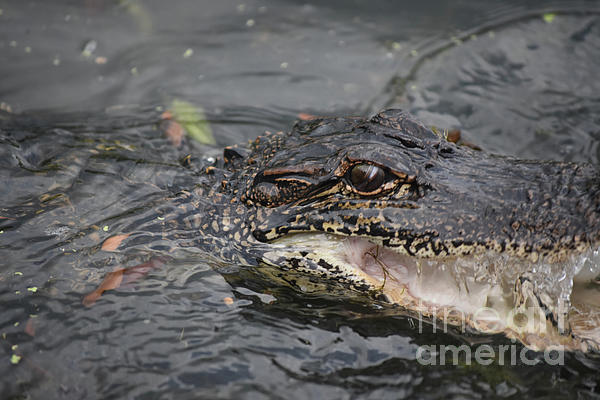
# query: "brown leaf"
(113, 242)
(174, 132)
(471, 145)
(29, 327)
(111, 281)
(454, 136)
(115, 279)
(306, 117)
(134, 274)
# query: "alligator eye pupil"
(366, 177)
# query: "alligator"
(392, 209)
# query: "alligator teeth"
(541, 304)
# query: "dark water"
(85, 158)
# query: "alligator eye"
(366, 177)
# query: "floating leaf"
(174, 132)
(15, 359)
(30, 328)
(193, 120)
(139, 13)
(89, 48)
(113, 242)
(549, 17)
(115, 279)
(453, 135)
(32, 289)
(306, 117)
(111, 281)
(105, 228)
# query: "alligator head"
(393, 209)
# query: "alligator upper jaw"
(544, 305)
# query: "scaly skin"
(429, 200)
(439, 198)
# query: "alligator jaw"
(543, 305)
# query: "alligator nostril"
(445, 150)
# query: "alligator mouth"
(544, 305)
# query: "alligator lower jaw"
(543, 305)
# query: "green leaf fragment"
(14, 347)
(32, 289)
(15, 359)
(89, 48)
(18, 273)
(549, 17)
(139, 13)
(105, 228)
(188, 53)
(193, 120)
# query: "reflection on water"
(194, 327)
